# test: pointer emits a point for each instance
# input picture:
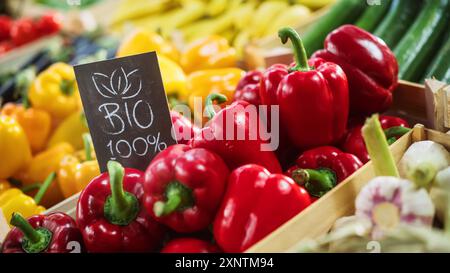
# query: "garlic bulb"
(389, 201)
(422, 161)
(440, 193)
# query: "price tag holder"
(126, 109)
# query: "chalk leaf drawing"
(119, 84)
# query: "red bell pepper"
(394, 128)
(255, 204)
(321, 169)
(270, 80)
(248, 88)
(189, 245)
(184, 186)
(313, 100)
(183, 128)
(52, 233)
(111, 216)
(370, 66)
(236, 150)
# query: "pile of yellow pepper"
(205, 66)
(41, 139)
(45, 138)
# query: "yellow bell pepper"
(14, 200)
(174, 79)
(4, 185)
(70, 130)
(204, 82)
(14, 147)
(35, 123)
(41, 166)
(141, 41)
(55, 91)
(74, 174)
(208, 53)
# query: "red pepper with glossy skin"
(321, 169)
(52, 233)
(270, 80)
(370, 66)
(313, 98)
(245, 145)
(184, 129)
(248, 88)
(393, 127)
(189, 245)
(255, 204)
(111, 215)
(184, 186)
(5, 26)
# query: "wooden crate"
(317, 219)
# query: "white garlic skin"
(414, 205)
(424, 152)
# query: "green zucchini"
(398, 19)
(417, 46)
(440, 67)
(342, 12)
(373, 15)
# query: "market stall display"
(338, 85)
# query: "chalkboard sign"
(126, 109)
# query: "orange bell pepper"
(36, 123)
(41, 166)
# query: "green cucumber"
(417, 46)
(398, 19)
(342, 12)
(440, 67)
(373, 15)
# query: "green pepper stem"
(30, 187)
(67, 87)
(209, 106)
(28, 231)
(178, 197)
(116, 174)
(121, 207)
(44, 187)
(378, 148)
(396, 131)
(316, 182)
(87, 140)
(301, 58)
(34, 240)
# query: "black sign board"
(126, 109)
